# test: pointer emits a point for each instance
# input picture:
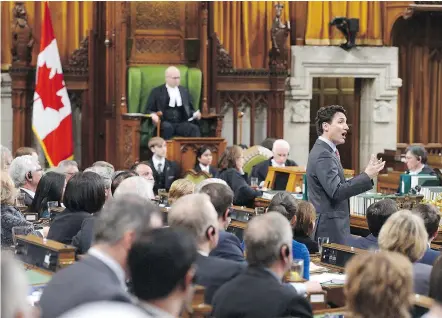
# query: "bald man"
(175, 102)
(280, 149)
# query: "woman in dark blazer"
(231, 164)
(50, 188)
(84, 195)
(204, 160)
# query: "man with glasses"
(26, 172)
(175, 103)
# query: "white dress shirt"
(157, 161)
(416, 172)
(328, 142)
(111, 263)
(205, 168)
(31, 193)
(174, 95)
(275, 164)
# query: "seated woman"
(180, 188)
(305, 223)
(378, 285)
(416, 159)
(436, 290)
(10, 216)
(405, 233)
(287, 205)
(231, 164)
(204, 161)
(84, 195)
(50, 188)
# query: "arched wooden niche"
(419, 39)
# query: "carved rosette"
(300, 110)
(80, 57)
(223, 59)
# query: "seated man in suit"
(162, 268)
(416, 159)
(143, 170)
(196, 213)
(431, 216)
(229, 246)
(280, 149)
(165, 172)
(175, 102)
(26, 172)
(377, 214)
(101, 275)
(259, 291)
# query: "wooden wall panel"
(298, 21)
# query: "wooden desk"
(296, 175)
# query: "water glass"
(162, 193)
(297, 270)
(52, 205)
(259, 210)
(254, 183)
(20, 200)
(19, 230)
(321, 241)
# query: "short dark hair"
(268, 143)
(23, 151)
(159, 261)
(430, 214)
(418, 151)
(49, 188)
(284, 203)
(200, 152)
(220, 195)
(119, 176)
(325, 115)
(378, 213)
(84, 192)
(136, 164)
(435, 279)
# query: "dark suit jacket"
(88, 280)
(312, 246)
(213, 272)
(229, 247)
(212, 170)
(364, 243)
(159, 100)
(421, 278)
(256, 293)
(243, 194)
(171, 172)
(66, 225)
(329, 192)
(429, 257)
(28, 198)
(261, 169)
(83, 240)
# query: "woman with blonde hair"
(378, 284)
(305, 223)
(180, 188)
(10, 216)
(231, 170)
(405, 233)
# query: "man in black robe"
(175, 102)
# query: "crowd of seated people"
(133, 265)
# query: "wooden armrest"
(211, 116)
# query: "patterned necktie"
(337, 154)
(160, 168)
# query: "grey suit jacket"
(86, 281)
(329, 192)
(421, 278)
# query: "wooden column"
(204, 13)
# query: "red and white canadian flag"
(52, 114)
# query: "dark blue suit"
(429, 257)
(364, 243)
(229, 247)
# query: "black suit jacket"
(171, 172)
(28, 198)
(66, 225)
(229, 247)
(212, 170)
(159, 100)
(83, 240)
(213, 272)
(243, 194)
(256, 293)
(329, 192)
(312, 246)
(261, 169)
(86, 281)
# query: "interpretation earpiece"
(30, 175)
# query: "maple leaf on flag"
(47, 88)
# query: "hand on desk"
(313, 287)
(374, 167)
(154, 118)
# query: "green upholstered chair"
(196, 177)
(143, 78)
(255, 155)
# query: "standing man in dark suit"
(259, 291)
(101, 275)
(175, 103)
(229, 246)
(281, 149)
(328, 190)
(165, 172)
(195, 213)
